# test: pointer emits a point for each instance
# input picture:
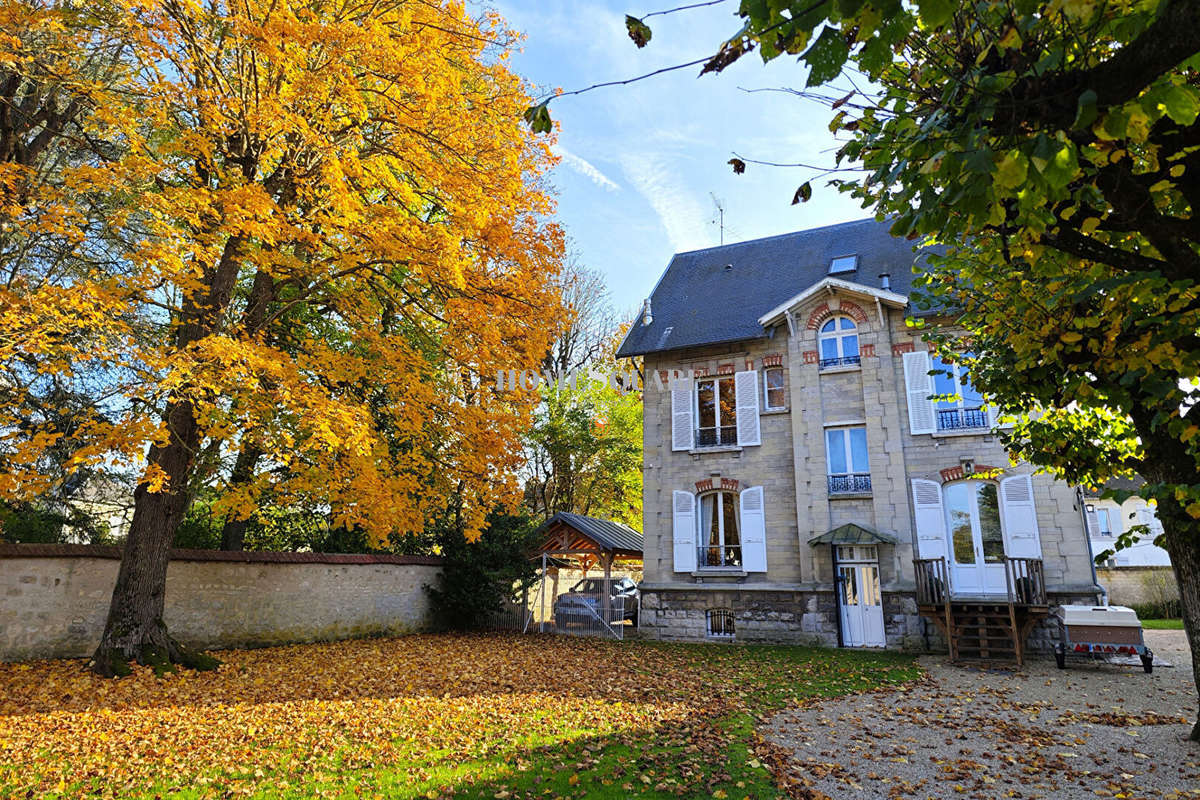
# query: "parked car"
(581, 604)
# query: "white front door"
(861, 604)
(976, 541)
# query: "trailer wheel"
(1148, 661)
(1060, 657)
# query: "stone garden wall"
(54, 598)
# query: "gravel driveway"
(1092, 730)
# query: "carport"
(582, 542)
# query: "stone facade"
(54, 598)
(793, 599)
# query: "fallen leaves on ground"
(502, 716)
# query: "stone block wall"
(1129, 586)
(54, 598)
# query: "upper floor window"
(847, 459)
(959, 405)
(773, 392)
(838, 342)
(720, 543)
(716, 412)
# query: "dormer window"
(843, 264)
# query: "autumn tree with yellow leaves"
(299, 235)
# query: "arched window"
(837, 342)
(719, 540)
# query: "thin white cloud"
(684, 219)
(585, 168)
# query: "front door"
(859, 598)
(976, 542)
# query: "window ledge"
(721, 448)
(719, 572)
(767, 411)
(966, 432)
(851, 495)
(843, 368)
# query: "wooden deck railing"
(1026, 581)
(933, 581)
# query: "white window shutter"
(1020, 518)
(684, 531)
(754, 530)
(745, 385)
(918, 384)
(931, 521)
(682, 432)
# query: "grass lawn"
(485, 716)
(1163, 624)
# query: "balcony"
(844, 361)
(856, 483)
(963, 419)
(725, 436)
(713, 556)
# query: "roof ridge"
(773, 237)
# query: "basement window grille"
(719, 623)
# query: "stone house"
(1108, 519)
(806, 477)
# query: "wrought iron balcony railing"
(855, 483)
(712, 556)
(962, 419)
(844, 361)
(725, 436)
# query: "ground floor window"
(973, 520)
(720, 540)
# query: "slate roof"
(606, 533)
(717, 294)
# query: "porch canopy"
(853, 533)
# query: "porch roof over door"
(854, 533)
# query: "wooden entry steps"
(985, 632)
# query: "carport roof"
(605, 534)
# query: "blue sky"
(640, 161)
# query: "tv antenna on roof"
(719, 219)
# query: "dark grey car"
(581, 605)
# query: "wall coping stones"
(246, 556)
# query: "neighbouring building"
(814, 473)
(1108, 519)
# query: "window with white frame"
(849, 465)
(716, 412)
(720, 543)
(959, 405)
(773, 392)
(837, 342)
(1103, 522)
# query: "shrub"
(480, 578)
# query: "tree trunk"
(233, 533)
(134, 631)
(1181, 532)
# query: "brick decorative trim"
(810, 357)
(248, 556)
(700, 372)
(824, 312)
(726, 369)
(732, 484)
(958, 473)
(705, 485)
(900, 348)
(727, 484)
(772, 360)
(868, 351)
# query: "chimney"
(647, 317)
(885, 280)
